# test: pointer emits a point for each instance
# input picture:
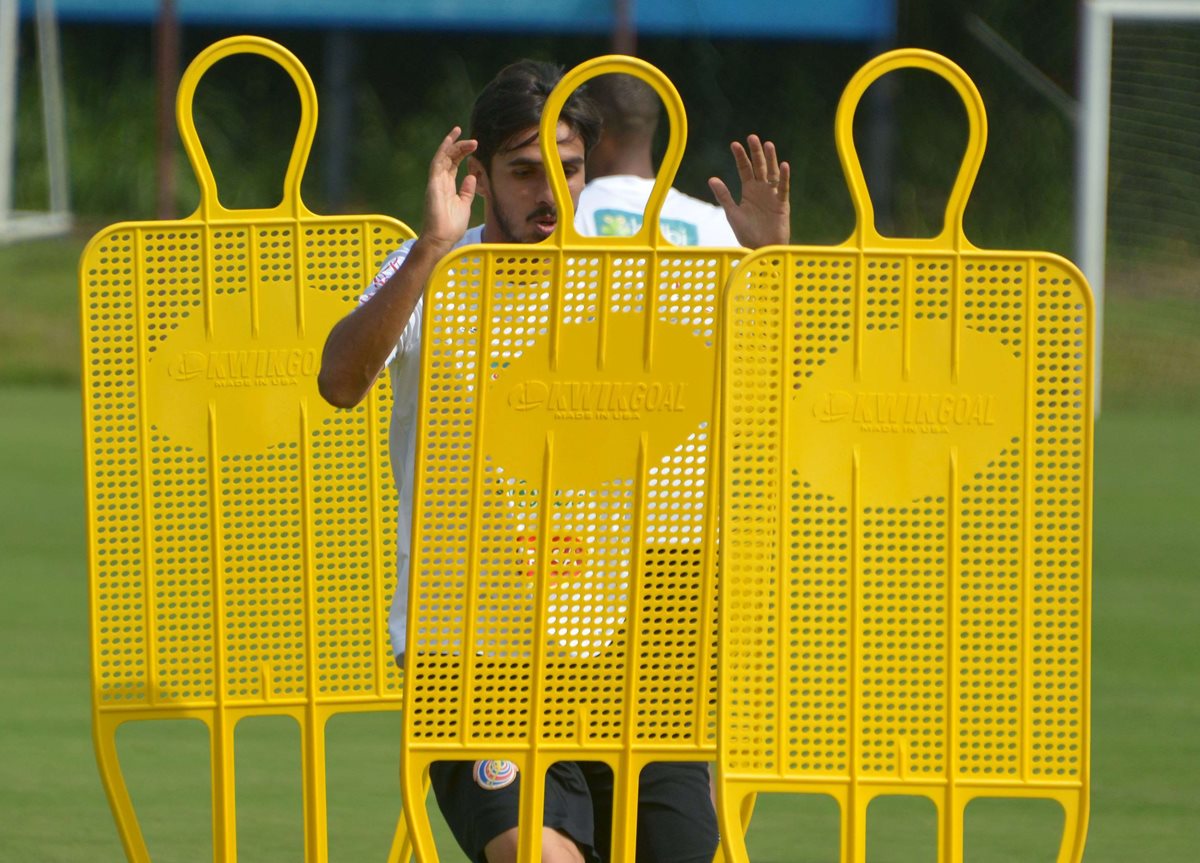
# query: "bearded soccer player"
(676, 823)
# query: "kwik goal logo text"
(597, 400)
(933, 413)
(247, 368)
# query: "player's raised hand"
(447, 203)
(763, 216)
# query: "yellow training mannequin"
(906, 517)
(241, 531)
(562, 603)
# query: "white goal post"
(56, 219)
(1092, 162)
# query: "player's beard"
(510, 227)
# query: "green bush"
(408, 89)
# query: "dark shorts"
(676, 822)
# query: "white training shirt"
(614, 206)
(404, 367)
(608, 206)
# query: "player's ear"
(475, 168)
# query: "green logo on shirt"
(621, 223)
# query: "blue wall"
(815, 19)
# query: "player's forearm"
(359, 344)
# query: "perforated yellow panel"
(906, 518)
(562, 598)
(241, 531)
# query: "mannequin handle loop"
(951, 236)
(649, 233)
(290, 205)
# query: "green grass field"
(1146, 699)
(1146, 757)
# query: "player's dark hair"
(512, 102)
(629, 106)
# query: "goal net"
(1145, 262)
